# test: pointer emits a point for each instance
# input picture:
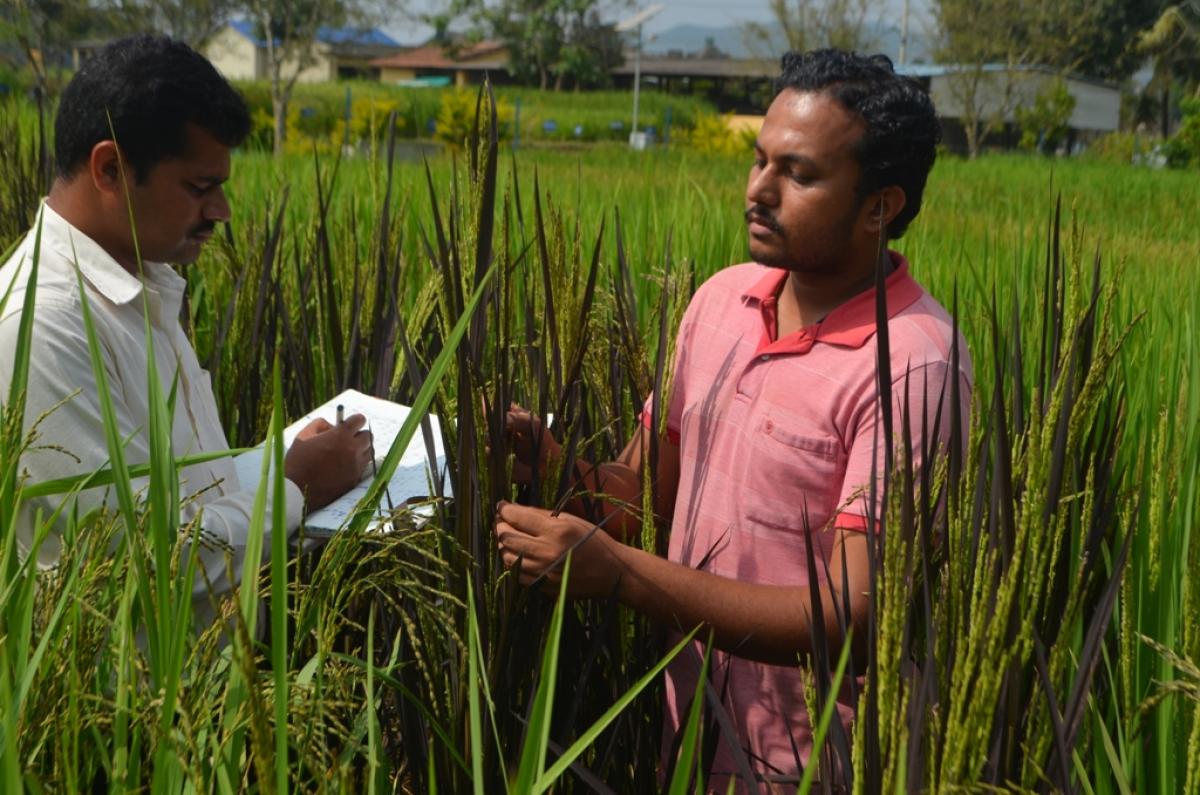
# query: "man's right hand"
(326, 460)
(531, 443)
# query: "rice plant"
(1033, 624)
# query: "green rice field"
(1041, 633)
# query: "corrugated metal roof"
(924, 70)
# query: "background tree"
(192, 21)
(45, 30)
(592, 49)
(984, 48)
(1097, 38)
(551, 42)
(289, 30)
(1045, 123)
(1173, 42)
(1092, 38)
(809, 24)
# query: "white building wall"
(319, 68)
(1096, 107)
(234, 56)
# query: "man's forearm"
(771, 624)
(611, 493)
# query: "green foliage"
(42, 32)
(318, 111)
(1045, 124)
(1183, 148)
(713, 134)
(1173, 44)
(1117, 147)
(555, 43)
(456, 117)
(14, 80)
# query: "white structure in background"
(1003, 89)
(637, 138)
(239, 54)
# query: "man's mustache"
(760, 215)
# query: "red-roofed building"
(434, 64)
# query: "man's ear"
(882, 206)
(104, 167)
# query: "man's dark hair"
(151, 87)
(900, 142)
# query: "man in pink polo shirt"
(774, 419)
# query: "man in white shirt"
(175, 120)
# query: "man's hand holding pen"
(326, 460)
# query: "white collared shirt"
(60, 369)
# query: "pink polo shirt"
(770, 430)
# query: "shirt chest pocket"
(791, 473)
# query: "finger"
(517, 421)
(352, 424)
(508, 536)
(527, 519)
(517, 543)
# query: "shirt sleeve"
(921, 389)
(64, 414)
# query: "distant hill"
(693, 39)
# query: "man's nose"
(217, 207)
(760, 187)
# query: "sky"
(706, 13)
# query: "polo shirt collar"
(853, 323)
(96, 265)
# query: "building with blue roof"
(239, 51)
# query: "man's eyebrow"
(790, 158)
(209, 181)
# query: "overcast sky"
(707, 13)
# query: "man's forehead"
(813, 121)
(202, 151)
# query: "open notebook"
(413, 477)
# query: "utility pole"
(635, 22)
(637, 77)
(904, 34)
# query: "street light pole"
(635, 23)
(637, 79)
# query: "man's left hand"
(540, 539)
